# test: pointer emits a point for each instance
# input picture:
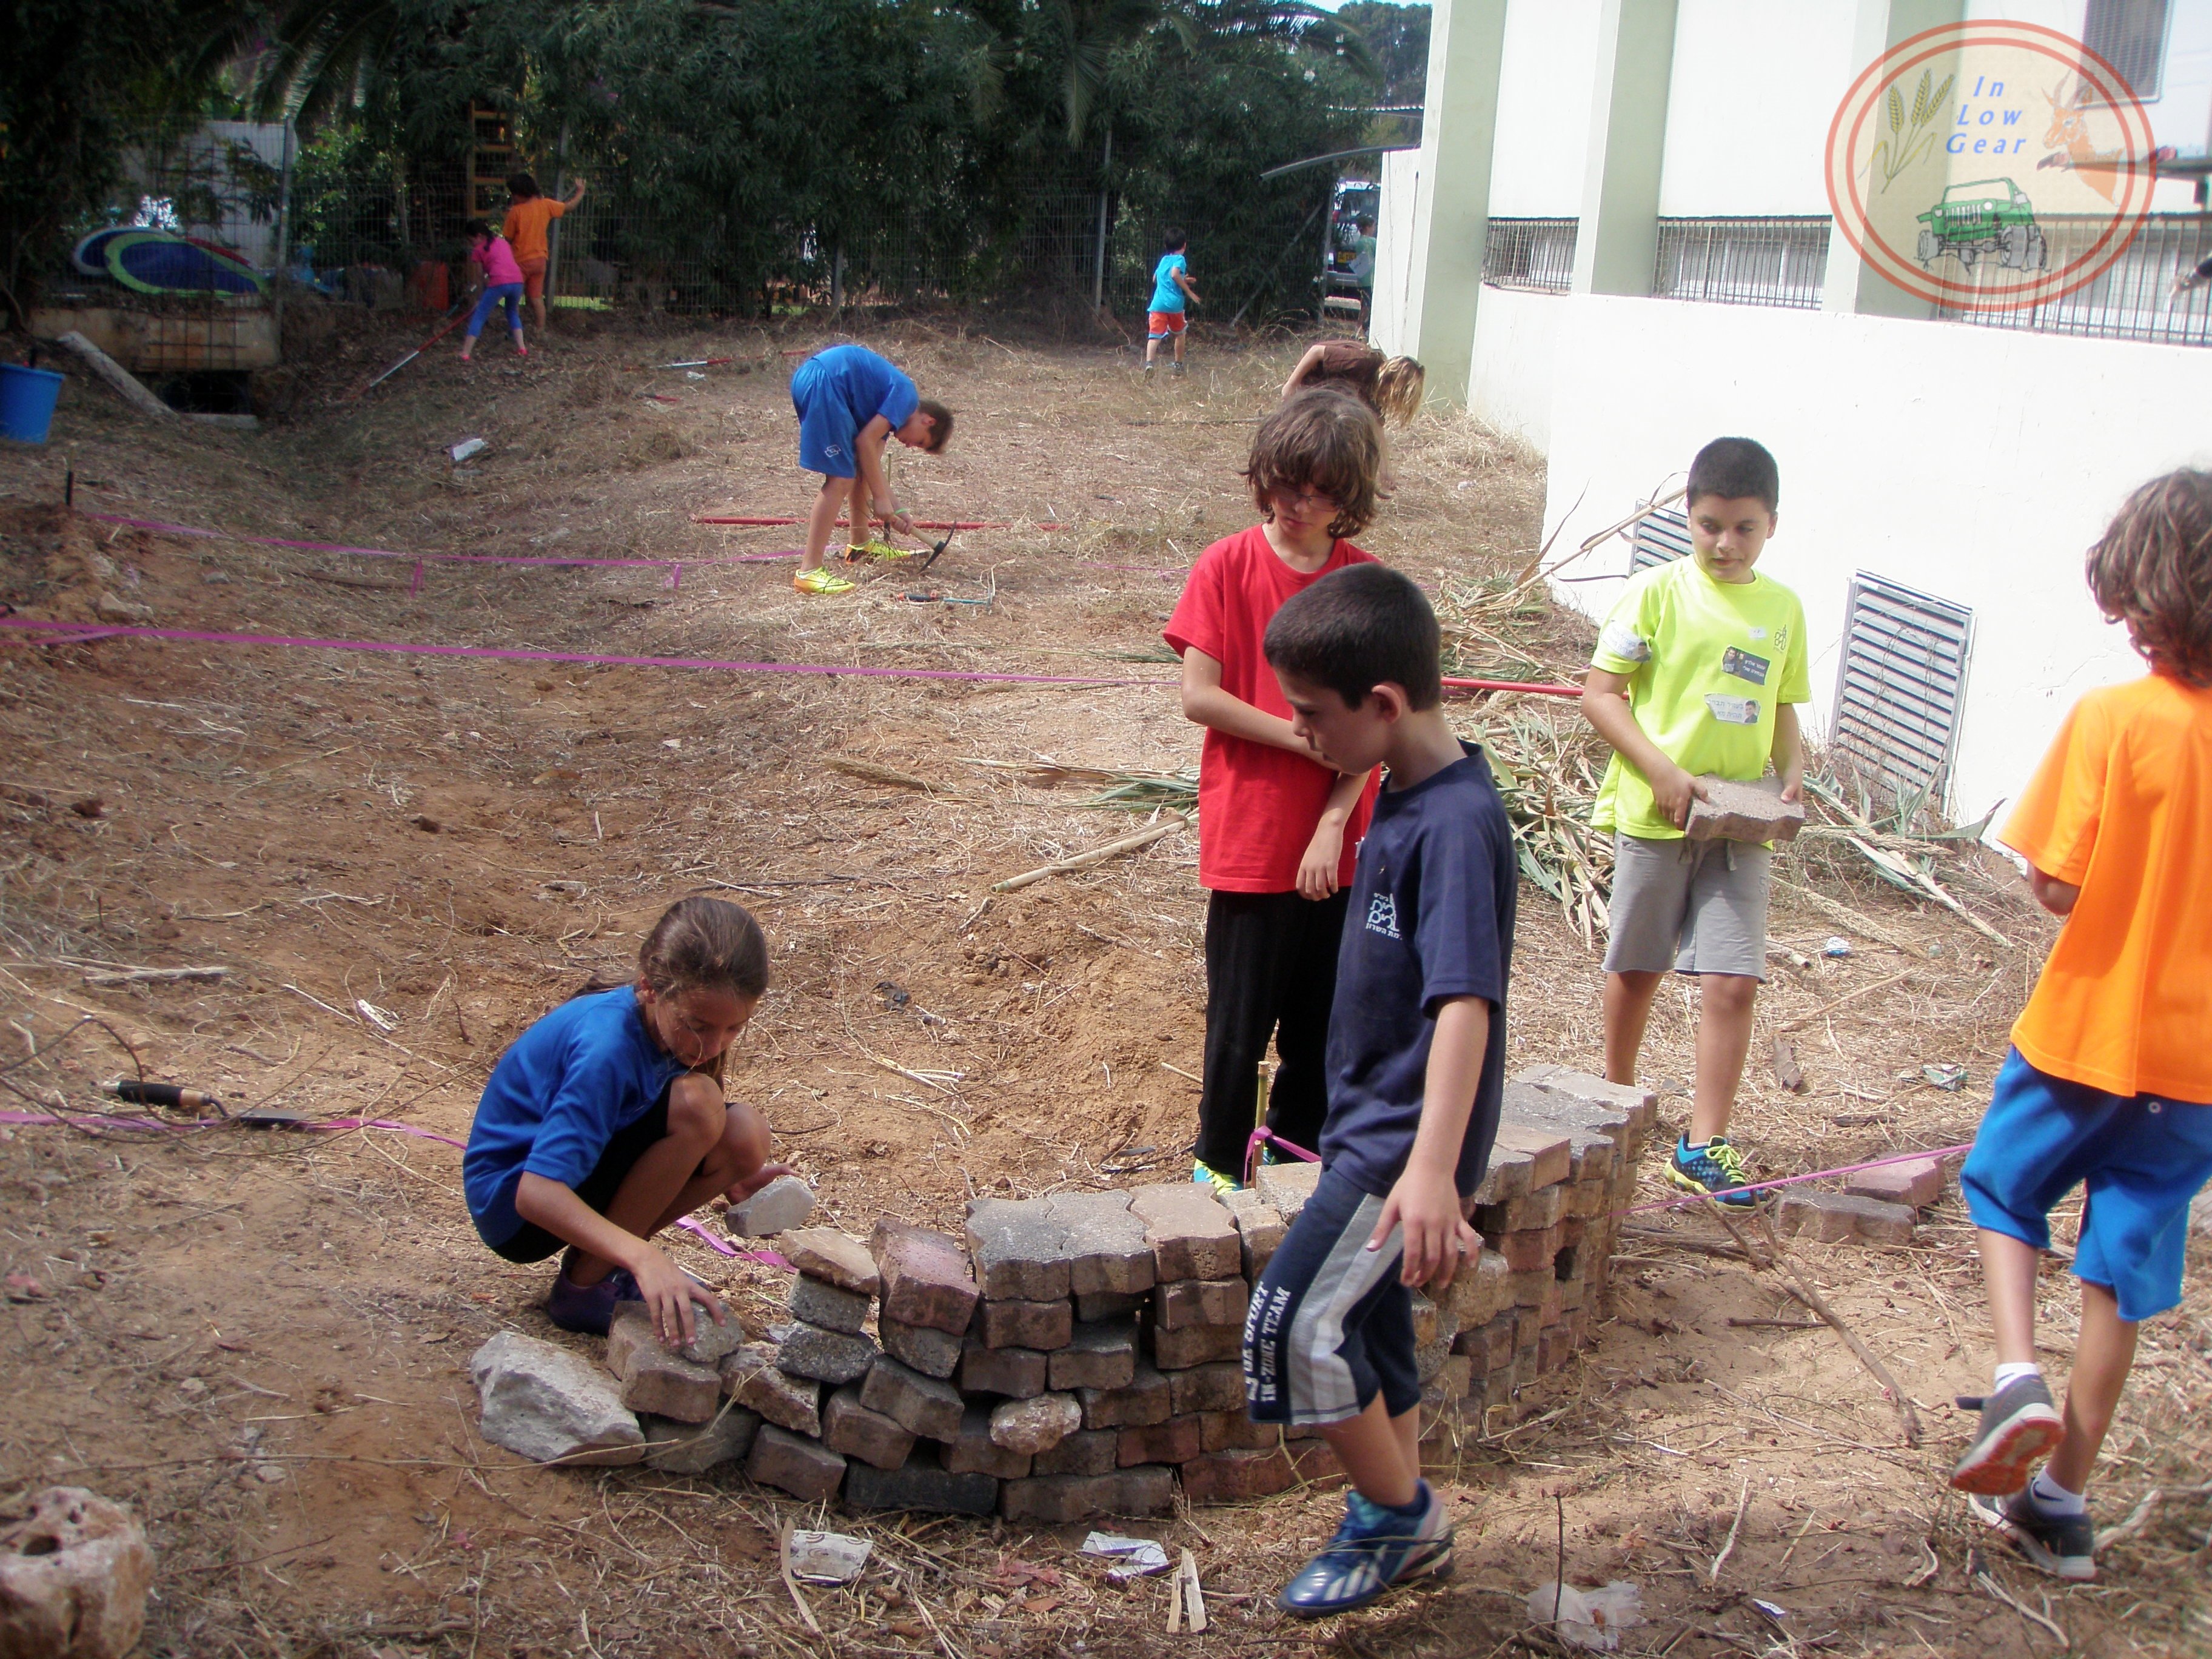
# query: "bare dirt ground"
(259, 1340)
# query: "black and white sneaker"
(2063, 1546)
(2020, 1425)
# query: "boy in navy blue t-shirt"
(1416, 1069)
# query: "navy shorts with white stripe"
(1331, 1326)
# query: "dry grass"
(222, 1308)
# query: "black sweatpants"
(1270, 976)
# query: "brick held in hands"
(1059, 1499)
(926, 1277)
(970, 1450)
(1147, 1400)
(633, 1329)
(630, 1329)
(1238, 1476)
(1834, 1218)
(1035, 1425)
(1285, 1188)
(675, 1448)
(1107, 1251)
(1734, 809)
(831, 1357)
(1191, 1235)
(834, 1257)
(1017, 1373)
(1183, 1303)
(849, 1427)
(1195, 1345)
(929, 1351)
(807, 1469)
(751, 1376)
(1098, 1356)
(1087, 1451)
(1175, 1441)
(1219, 1387)
(1043, 1326)
(813, 1302)
(922, 1485)
(1019, 1247)
(922, 1405)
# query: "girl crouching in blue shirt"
(605, 1123)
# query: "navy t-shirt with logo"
(1430, 918)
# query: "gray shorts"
(1698, 907)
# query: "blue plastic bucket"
(27, 396)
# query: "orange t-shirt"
(2122, 808)
(525, 228)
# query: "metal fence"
(1531, 254)
(1743, 262)
(2133, 298)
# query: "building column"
(1451, 207)
(1852, 285)
(1617, 243)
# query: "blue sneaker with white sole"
(1374, 1549)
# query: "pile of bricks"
(1077, 1355)
(1880, 1206)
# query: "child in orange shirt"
(525, 229)
(2109, 1082)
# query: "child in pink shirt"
(502, 286)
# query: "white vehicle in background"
(1355, 200)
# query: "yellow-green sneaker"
(1203, 1174)
(875, 550)
(821, 581)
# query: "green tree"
(1398, 36)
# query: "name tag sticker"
(1733, 711)
(1744, 667)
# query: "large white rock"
(552, 1405)
(784, 1203)
(73, 1578)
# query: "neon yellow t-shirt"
(1707, 663)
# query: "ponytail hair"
(704, 944)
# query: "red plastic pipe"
(1452, 684)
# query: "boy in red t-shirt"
(1278, 829)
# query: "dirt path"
(260, 1339)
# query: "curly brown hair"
(2152, 570)
(1324, 440)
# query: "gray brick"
(1215, 1387)
(929, 1351)
(1020, 1248)
(752, 1376)
(1108, 1252)
(1732, 809)
(658, 1382)
(1175, 1441)
(1147, 1400)
(970, 1449)
(1196, 1345)
(922, 1485)
(1834, 1218)
(830, 1357)
(815, 1302)
(1056, 1500)
(1184, 1303)
(825, 1254)
(1087, 1451)
(1041, 1325)
(677, 1447)
(1191, 1235)
(1286, 1187)
(922, 1405)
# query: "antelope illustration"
(2070, 133)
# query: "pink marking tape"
(96, 1121)
(1264, 1136)
(66, 633)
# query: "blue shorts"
(503, 294)
(1330, 1325)
(2142, 1160)
(826, 426)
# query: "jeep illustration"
(1988, 216)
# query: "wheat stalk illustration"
(1907, 144)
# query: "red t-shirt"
(1257, 805)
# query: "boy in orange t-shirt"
(526, 232)
(2109, 1082)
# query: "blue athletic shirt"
(1166, 296)
(1430, 918)
(865, 382)
(557, 1096)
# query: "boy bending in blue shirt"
(848, 400)
(1416, 1070)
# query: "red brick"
(1183, 1304)
(1198, 1344)
(1316, 1462)
(849, 1427)
(1528, 1252)
(807, 1469)
(1551, 1154)
(1087, 1451)
(1175, 1441)
(926, 1277)
(1915, 1185)
(1147, 1400)
(1238, 1477)
(1234, 1431)
(1041, 1325)
(1216, 1387)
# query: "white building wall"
(1754, 85)
(1387, 322)
(1971, 463)
(1515, 344)
(1543, 110)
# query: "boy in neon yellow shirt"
(1695, 673)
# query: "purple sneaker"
(589, 1309)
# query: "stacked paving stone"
(1077, 1355)
(1879, 1206)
